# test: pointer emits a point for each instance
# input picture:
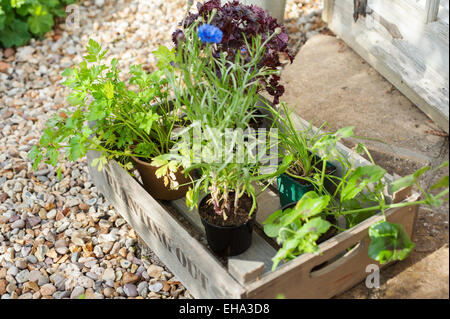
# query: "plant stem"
(374, 208)
(322, 178)
(108, 150)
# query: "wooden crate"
(173, 234)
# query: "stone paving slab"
(329, 82)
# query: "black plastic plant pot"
(230, 240)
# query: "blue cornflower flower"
(209, 33)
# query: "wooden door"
(407, 41)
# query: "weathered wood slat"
(413, 56)
(327, 12)
(295, 279)
(432, 10)
(444, 12)
(416, 34)
(416, 37)
(197, 269)
(276, 8)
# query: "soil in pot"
(206, 211)
(233, 236)
(155, 186)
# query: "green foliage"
(310, 150)
(299, 228)
(164, 56)
(214, 104)
(359, 194)
(299, 143)
(389, 242)
(22, 19)
(108, 115)
(359, 179)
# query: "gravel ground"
(61, 239)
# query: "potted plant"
(304, 146)
(131, 123)
(229, 207)
(218, 97)
(359, 194)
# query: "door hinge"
(360, 7)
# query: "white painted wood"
(444, 12)
(276, 8)
(401, 25)
(432, 10)
(412, 55)
(327, 12)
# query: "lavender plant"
(216, 104)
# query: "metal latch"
(360, 7)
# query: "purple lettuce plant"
(238, 22)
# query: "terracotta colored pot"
(155, 186)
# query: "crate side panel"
(295, 280)
(197, 269)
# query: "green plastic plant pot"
(291, 191)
